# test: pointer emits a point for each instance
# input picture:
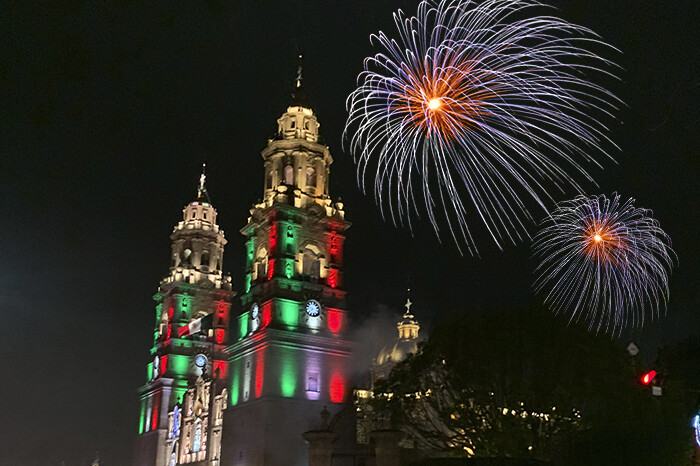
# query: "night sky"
(108, 111)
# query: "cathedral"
(226, 389)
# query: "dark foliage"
(524, 384)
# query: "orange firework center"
(445, 101)
(601, 241)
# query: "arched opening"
(311, 262)
(311, 177)
(261, 263)
(289, 174)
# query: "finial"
(203, 177)
(299, 75)
(299, 98)
(202, 194)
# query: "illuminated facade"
(289, 356)
(181, 367)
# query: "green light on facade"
(142, 418)
(149, 371)
(184, 307)
(248, 279)
(179, 395)
(243, 321)
(235, 386)
(288, 312)
(288, 373)
(288, 237)
(249, 254)
(178, 364)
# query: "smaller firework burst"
(603, 261)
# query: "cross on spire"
(408, 304)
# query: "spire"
(299, 98)
(202, 194)
(299, 71)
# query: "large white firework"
(479, 103)
(603, 261)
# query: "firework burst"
(478, 104)
(603, 261)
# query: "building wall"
(268, 431)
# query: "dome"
(396, 352)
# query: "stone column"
(386, 447)
(320, 446)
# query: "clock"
(255, 311)
(200, 360)
(313, 308)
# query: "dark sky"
(108, 110)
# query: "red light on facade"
(335, 320)
(334, 247)
(270, 268)
(273, 237)
(259, 372)
(648, 377)
(170, 331)
(171, 311)
(333, 278)
(337, 390)
(163, 367)
(156, 404)
(266, 315)
(222, 368)
(220, 333)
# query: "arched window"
(261, 263)
(311, 177)
(186, 256)
(289, 174)
(311, 262)
(205, 259)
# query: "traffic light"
(648, 377)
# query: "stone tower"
(291, 356)
(195, 288)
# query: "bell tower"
(196, 291)
(289, 357)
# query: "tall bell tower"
(195, 288)
(290, 355)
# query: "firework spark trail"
(481, 104)
(603, 261)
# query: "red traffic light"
(648, 377)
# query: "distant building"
(406, 343)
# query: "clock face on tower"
(313, 308)
(255, 311)
(200, 360)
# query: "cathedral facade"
(241, 390)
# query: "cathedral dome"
(405, 344)
(396, 352)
